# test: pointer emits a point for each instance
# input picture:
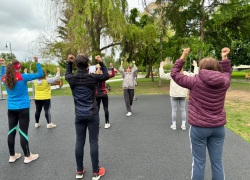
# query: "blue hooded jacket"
(18, 95)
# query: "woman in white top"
(178, 94)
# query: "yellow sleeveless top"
(42, 91)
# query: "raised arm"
(113, 71)
(39, 74)
(196, 70)
(226, 63)
(162, 74)
(122, 70)
(134, 70)
(105, 75)
(54, 79)
(2, 62)
(68, 72)
(26, 72)
(182, 80)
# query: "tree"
(206, 25)
(8, 56)
(94, 20)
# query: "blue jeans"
(81, 125)
(213, 140)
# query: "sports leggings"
(174, 103)
(21, 116)
(105, 102)
(46, 104)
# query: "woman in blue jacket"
(18, 106)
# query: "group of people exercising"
(207, 116)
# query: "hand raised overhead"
(225, 52)
(98, 58)
(71, 58)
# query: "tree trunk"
(202, 31)
(148, 73)
(151, 70)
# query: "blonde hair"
(98, 71)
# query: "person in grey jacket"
(128, 85)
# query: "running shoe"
(32, 157)
(97, 176)
(183, 128)
(37, 125)
(107, 125)
(51, 125)
(14, 158)
(128, 114)
(79, 175)
(173, 127)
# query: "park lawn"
(238, 118)
(240, 86)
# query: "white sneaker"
(173, 127)
(183, 128)
(107, 126)
(32, 157)
(51, 125)
(14, 158)
(37, 125)
(128, 114)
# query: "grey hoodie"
(49, 80)
(128, 78)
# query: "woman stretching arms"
(101, 94)
(128, 86)
(18, 106)
(207, 114)
(43, 97)
(178, 94)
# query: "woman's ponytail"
(10, 74)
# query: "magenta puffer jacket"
(207, 94)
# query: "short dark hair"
(82, 60)
(210, 64)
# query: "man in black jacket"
(83, 86)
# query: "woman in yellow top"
(43, 96)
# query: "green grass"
(236, 73)
(238, 118)
(240, 86)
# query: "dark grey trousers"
(128, 97)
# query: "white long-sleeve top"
(175, 89)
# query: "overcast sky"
(22, 21)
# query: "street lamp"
(6, 46)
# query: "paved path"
(141, 147)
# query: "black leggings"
(105, 102)
(23, 117)
(92, 124)
(46, 104)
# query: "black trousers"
(105, 102)
(128, 97)
(81, 125)
(46, 104)
(22, 117)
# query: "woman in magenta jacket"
(207, 115)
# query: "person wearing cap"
(18, 101)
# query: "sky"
(23, 21)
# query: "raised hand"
(98, 58)
(111, 64)
(185, 53)
(133, 62)
(71, 58)
(25, 70)
(162, 64)
(225, 52)
(58, 70)
(35, 58)
(2, 61)
(194, 63)
(121, 63)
